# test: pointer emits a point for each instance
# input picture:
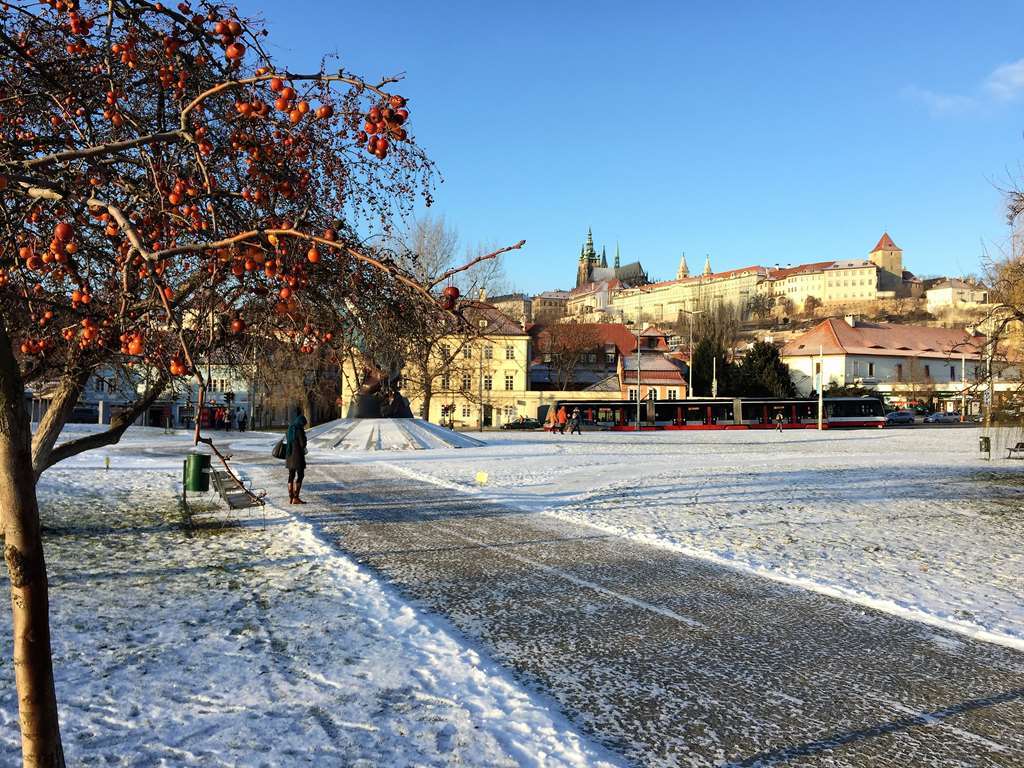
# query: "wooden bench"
(1016, 452)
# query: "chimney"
(851, 320)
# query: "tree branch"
(477, 260)
(107, 149)
(118, 425)
(60, 408)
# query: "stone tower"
(684, 271)
(888, 257)
(707, 265)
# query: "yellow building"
(831, 282)
(666, 301)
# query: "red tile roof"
(885, 243)
(607, 333)
(836, 337)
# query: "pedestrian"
(574, 422)
(231, 419)
(552, 420)
(563, 417)
(295, 458)
(242, 419)
(778, 421)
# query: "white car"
(942, 418)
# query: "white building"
(904, 363)
(955, 294)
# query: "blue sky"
(758, 133)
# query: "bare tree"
(568, 345)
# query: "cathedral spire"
(684, 271)
(707, 265)
(604, 258)
(616, 254)
(588, 249)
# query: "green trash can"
(197, 472)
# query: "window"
(547, 357)
(445, 351)
(466, 413)
(510, 381)
(609, 357)
(488, 352)
(952, 373)
(871, 369)
(100, 385)
(488, 381)
(672, 394)
(632, 394)
(899, 371)
(591, 357)
(467, 352)
(446, 381)
(510, 352)
(467, 381)
(927, 371)
(510, 411)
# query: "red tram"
(729, 413)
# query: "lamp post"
(690, 313)
(639, 316)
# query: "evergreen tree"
(710, 359)
(763, 374)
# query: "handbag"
(279, 451)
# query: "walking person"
(778, 421)
(231, 420)
(295, 458)
(562, 418)
(242, 419)
(574, 422)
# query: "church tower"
(684, 271)
(588, 260)
(617, 265)
(707, 266)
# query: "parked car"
(942, 418)
(899, 417)
(524, 424)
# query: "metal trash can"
(985, 444)
(197, 472)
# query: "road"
(673, 661)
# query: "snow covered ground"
(909, 521)
(249, 645)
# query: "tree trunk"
(307, 407)
(23, 552)
(428, 391)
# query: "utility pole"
(714, 375)
(638, 318)
(821, 387)
(963, 388)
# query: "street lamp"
(691, 313)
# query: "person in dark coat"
(295, 458)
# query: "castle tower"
(888, 257)
(684, 271)
(707, 266)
